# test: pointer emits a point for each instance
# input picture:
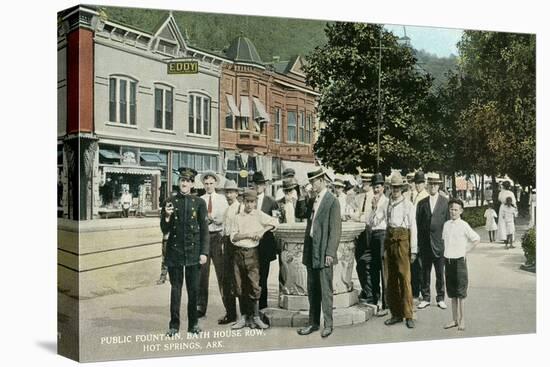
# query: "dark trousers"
(363, 257)
(246, 270)
(216, 256)
(397, 248)
(416, 277)
(438, 263)
(378, 281)
(192, 285)
(228, 278)
(264, 273)
(319, 294)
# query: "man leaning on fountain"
(322, 236)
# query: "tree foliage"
(490, 101)
(346, 73)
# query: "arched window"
(199, 114)
(164, 107)
(122, 99)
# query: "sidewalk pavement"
(501, 301)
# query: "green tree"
(346, 73)
(498, 110)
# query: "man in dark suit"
(431, 214)
(184, 220)
(322, 237)
(267, 248)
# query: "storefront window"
(197, 161)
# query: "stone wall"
(107, 256)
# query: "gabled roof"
(243, 50)
(168, 29)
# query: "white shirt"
(433, 200)
(126, 198)
(254, 221)
(316, 204)
(229, 217)
(289, 212)
(456, 236)
(219, 205)
(377, 218)
(343, 200)
(402, 214)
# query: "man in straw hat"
(248, 228)
(431, 214)
(216, 205)
(377, 226)
(362, 253)
(339, 186)
(322, 237)
(228, 279)
(185, 252)
(400, 248)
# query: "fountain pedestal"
(293, 304)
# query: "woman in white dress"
(503, 194)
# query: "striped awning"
(232, 105)
(261, 110)
(245, 107)
(131, 170)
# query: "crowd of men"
(395, 254)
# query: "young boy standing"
(456, 235)
(247, 229)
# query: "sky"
(438, 41)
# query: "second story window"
(277, 127)
(309, 128)
(291, 116)
(122, 100)
(164, 112)
(302, 119)
(199, 115)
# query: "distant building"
(267, 115)
(136, 106)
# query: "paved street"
(501, 301)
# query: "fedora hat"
(212, 174)
(250, 194)
(433, 178)
(419, 177)
(377, 179)
(367, 177)
(339, 180)
(289, 183)
(397, 180)
(258, 177)
(230, 185)
(289, 172)
(311, 175)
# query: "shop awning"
(151, 157)
(109, 154)
(232, 105)
(245, 107)
(261, 110)
(131, 170)
(301, 168)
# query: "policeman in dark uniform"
(184, 219)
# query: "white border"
(28, 185)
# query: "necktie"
(210, 204)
